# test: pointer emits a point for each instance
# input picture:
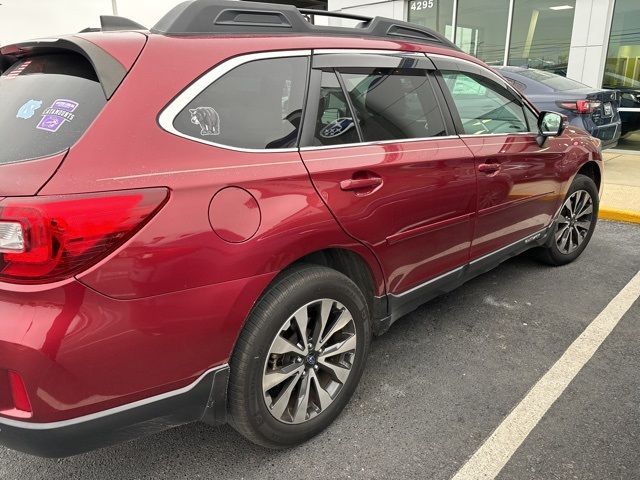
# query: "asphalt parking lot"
(437, 385)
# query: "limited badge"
(207, 118)
(57, 114)
(28, 110)
(337, 127)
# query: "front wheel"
(299, 357)
(575, 223)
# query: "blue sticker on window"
(337, 127)
(28, 110)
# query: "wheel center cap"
(311, 359)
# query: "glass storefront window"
(482, 29)
(622, 68)
(434, 14)
(541, 34)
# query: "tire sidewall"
(278, 305)
(580, 182)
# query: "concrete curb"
(618, 215)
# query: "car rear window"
(48, 102)
(552, 80)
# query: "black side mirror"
(550, 124)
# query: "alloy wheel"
(574, 221)
(309, 361)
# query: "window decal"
(207, 118)
(59, 112)
(28, 110)
(337, 127)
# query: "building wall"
(590, 33)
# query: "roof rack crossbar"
(325, 13)
(207, 17)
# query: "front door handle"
(488, 167)
(360, 183)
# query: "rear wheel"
(299, 357)
(575, 223)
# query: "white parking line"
(496, 451)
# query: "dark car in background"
(594, 110)
(629, 101)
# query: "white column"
(590, 40)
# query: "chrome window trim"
(377, 142)
(110, 411)
(170, 112)
(369, 51)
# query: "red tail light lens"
(63, 235)
(19, 393)
(581, 106)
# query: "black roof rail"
(113, 23)
(206, 17)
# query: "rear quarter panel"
(178, 249)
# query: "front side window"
(394, 104)
(257, 105)
(484, 106)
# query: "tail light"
(581, 106)
(46, 239)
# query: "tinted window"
(47, 104)
(484, 106)
(256, 105)
(394, 104)
(335, 124)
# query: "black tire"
(248, 411)
(551, 253)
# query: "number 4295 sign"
(421, 4)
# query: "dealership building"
(596, 42)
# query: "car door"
(382, 155)
(518, 180)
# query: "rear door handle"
(360, 183)
(488, 167)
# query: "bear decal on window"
(207, 118)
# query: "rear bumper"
(205, 399)
(96, 370)
(608, 134)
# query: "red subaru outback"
(210, 220)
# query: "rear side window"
(48, 102)
(484, 106)
(257, 105)
(394, 104)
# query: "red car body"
(141, 339)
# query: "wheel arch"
(591, 169)
(353, 265)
